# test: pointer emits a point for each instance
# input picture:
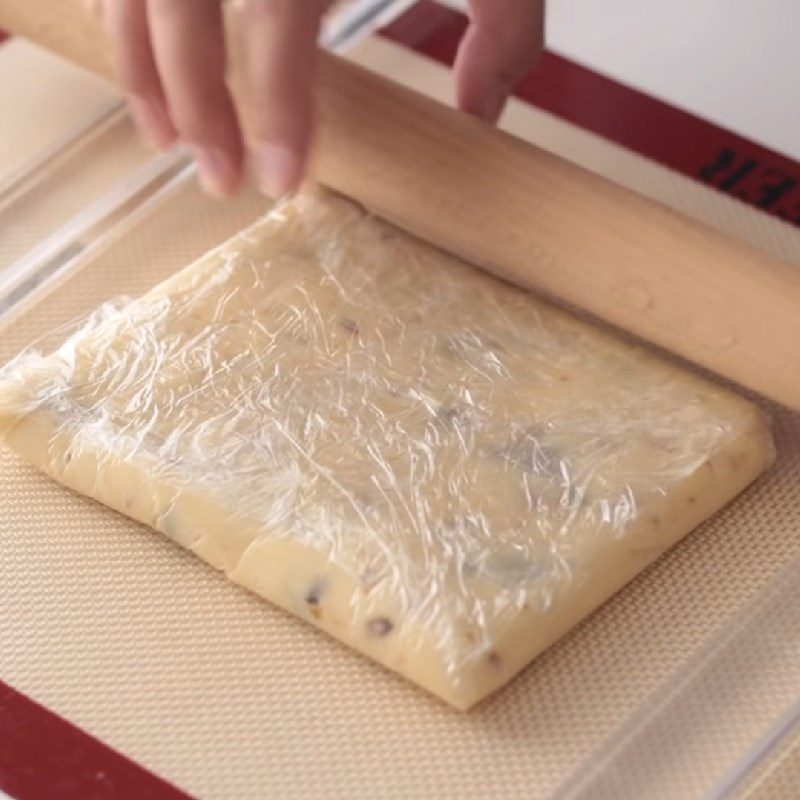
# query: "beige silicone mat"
(162, 658)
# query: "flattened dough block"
(437, 468)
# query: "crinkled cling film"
(439, 469)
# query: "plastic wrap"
(437, 468)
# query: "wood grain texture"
(526, 215)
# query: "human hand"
(171, 64)
(503, 41)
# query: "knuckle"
(136, 80)
(279, 122)
(201, 123)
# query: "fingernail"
(152, 121)
(278, 169)
(215, 171)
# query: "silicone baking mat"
(161, 658)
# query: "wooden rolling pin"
(526, 215)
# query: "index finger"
(189, 48)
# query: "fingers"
(126, 21)
(171, 63)
(189, 52)
(280, 45)
(501, 44)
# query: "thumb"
(502, 43)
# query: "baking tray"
(685, 684)
(68, 148)
(46, 103)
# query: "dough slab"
(441, 470)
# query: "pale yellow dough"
(438, 469)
